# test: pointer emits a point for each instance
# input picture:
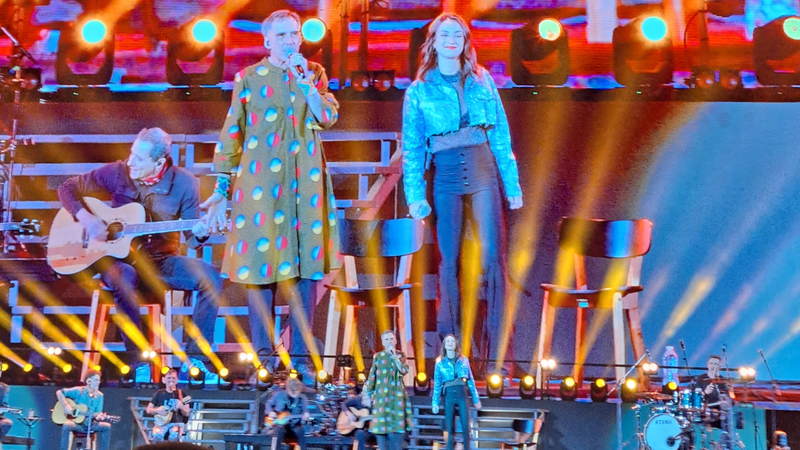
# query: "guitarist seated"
(5, 423)
(352, 403)
(90, 396)
(171, 409)
(167, 192)
(292, 402)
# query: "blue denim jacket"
(431, 108)
(445, 371)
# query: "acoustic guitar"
(79, 414)
(345, 425)
(166, 418)
(70, 250)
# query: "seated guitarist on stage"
(290, 400)
(90, 396)
(169, 399)
(5, 423)
(354, 401)
(167, 192)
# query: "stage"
(567, 425)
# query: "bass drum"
(663, 432)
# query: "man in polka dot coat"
(284, 231)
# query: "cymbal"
(716, 380)
(654, 396)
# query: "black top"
(719, 388)
(175, 196)
(168, 399)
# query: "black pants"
(362, 436)
(296, 431)
(466, 189)
(390, 441)
(456, 396)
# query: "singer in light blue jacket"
(452, 377)
(453, 119)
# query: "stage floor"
(568, 425)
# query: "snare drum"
(664, 432)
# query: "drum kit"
(684, 421)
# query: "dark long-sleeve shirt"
(280, 402)
(175, 196)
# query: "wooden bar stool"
(626, 241)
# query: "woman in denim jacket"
(452, 377)
(453, 118)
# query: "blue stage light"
(93, 31)
(654, 29)
(204, 31)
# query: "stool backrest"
(605, 238)
(522, 425)
(381, 238)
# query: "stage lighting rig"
(747, 374)
(225, 382)
(540, 53)
(599, 390)
(629, 392)
(494, 386)
(197, 378)
(263, 378)
(650, 369)
(643, 52)
(316, 37)
(422, 384)
(773, 46)
(324, 377)
(79, 45)
(194, 42)
(568, 390)
(527, 387)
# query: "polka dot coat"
(283, 215)
(391, 406)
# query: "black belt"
(454, 382)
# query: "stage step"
(209, 420)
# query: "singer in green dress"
(386, 392)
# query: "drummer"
(710, 382)
(715, 389)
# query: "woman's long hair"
(469, 59)
(443, 351)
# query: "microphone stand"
(619, 403)
(775, 389)
(693, 382)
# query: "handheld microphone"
(683, 347)
(723, 347)
(297, 67)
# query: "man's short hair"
(388, 332)
(159, 139)
(280, 14)
(90, 373)
(713, 357)
(171, 371)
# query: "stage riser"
(568, 425)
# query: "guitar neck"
(167, 226)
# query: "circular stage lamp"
(791, 27)
(654, 28)
(549, 29)
(598, 390)
(629, 391)
(204, 31)
(93, 31)
(494, 386)
(313, 30)
(568, 390)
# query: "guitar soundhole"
(115, 231)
